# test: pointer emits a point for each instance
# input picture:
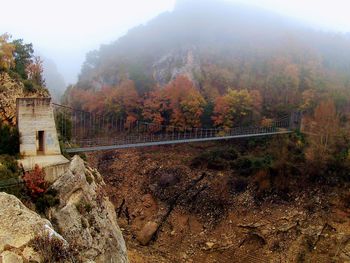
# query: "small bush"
(8, 167)
(53, 249)
(47, 200)
(35, 182)
(248, 165)
(237, 184)
(9, 177)
(263, 185)
(218, 159)
(30, 86)
(14, 75)
(83, 156)
(9, 140)
(84, 207)
(89, 179)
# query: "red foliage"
(35, 181)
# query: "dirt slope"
(194, 216)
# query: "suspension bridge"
(84, 131)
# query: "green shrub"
(47, 200)
(9, 177)
(89, 179)
(218, 159)
(248, 165)
(29, 86)
(8, 167)
(83, 207)
(14, 75)
(237, 184)
(9, 139)
(83, 156)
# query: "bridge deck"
(155, 143)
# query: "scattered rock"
(210, 245)
(147, 232)
(148, 201)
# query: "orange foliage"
(324, 131)
(266, 122)
(122, 101)
(232, 107)
(185, 102)
(178, 103)
(155, 107)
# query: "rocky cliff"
(86, 216)
(185, 61)
(84, 223)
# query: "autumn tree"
(34, 71)
(232, 107)
(120, 101)
(257, 103)
(156, 109)
(216, 80)
(185, 103)
(6, 52)
(123, 101)
(324, 132)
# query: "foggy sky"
(66, 30)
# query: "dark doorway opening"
(41, 142)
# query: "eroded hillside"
(172, 210)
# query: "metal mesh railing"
(80, 129)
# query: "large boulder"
(85, 215)
(19, 225)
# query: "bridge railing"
(83, 129)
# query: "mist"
(63, 32)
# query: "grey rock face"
(86, 216)
(184, 61)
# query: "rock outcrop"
(84, 218)
(85, 215)
(18, 227)
(184, 61)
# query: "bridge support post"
(295, 120)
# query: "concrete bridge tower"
(38, 135)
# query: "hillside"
(213, 37)
(172, 211)
(215, 51)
